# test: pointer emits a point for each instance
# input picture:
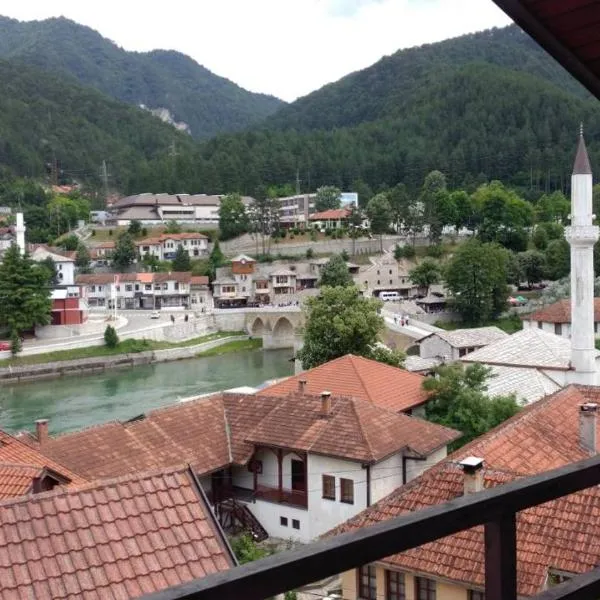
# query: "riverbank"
(99, 358)
(233, 346)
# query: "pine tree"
(182, 261)
(111, 339)
(82, 259)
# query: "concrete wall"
(444, 590)
(565, 328)
(435, 346)
(269, 514)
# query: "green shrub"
(310, 253)
(15, 343)
(435, 251)
(111, 339)
(409, 251)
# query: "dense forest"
(478, 108)
(209, 104)
(46, 121)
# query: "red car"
(4, 346)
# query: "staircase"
(236, 517)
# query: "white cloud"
(283, 47)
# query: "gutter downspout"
(368, 471)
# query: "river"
(75, 402)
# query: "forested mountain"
(44, 118)
(209, 104)
(387, 88)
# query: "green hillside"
(161, 79)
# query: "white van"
(389, 296)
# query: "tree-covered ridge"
(208, 103)
(384, 90)
(43, 117)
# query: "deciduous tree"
(328, 197)
(380, 216)
(335, 273)
(425, 274)
(458, 400)
(135, 228)
(233, 220)
(532, 266)
(476, 277)
(125, 252)
(82, 259)
(338, 322)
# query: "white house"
(452, 345)
(386, 274)
(165, 246)
(65, 262)
(556, 318)
(294, 465)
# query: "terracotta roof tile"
(358, 377)
(561, 534)
(20, 464)
(214, 432)
(559, 312)
(334, 213)
(180, 276)
(89, 546)
(199, 280)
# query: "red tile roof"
(199, 280)
(358, 377)
(182, 236)
(20, 464)
(559, 312)
(562, 534)
(215, 432)
(180, 276)
(114, 539)
(334, 213)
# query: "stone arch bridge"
(279, 327)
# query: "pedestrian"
(186, 318)
(173, 319)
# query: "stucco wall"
(414, 468)
(444, 590)
(269, 514)
(326, 514)
(386, 476)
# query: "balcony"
(494, 508)
(297, 498)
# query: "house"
(358, 377)
(294, 465)
(25, 471)
(200, 296)
(144, 290)
(64, 260)
(335, 218)
(101, 254)
(164, 247)
(157, 209)
(556, 318)
(452, 345)
(295, 210)
(386, 274)
(555, 541)
(122, 538)
(7, 238)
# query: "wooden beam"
(289, 570)
(517, 11)
(501, 559)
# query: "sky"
(286, 48)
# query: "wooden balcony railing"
(494, 508)
(292, 497)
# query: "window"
(329, 487)
(425, 588)
(558, 328)
(148, 286)
(176, 285)
(165, 286)
(367, 583)
(462, 352)
(347, 491)
(283, 521)
(137, 287)
(473, 595)
(390, 271)
(99, 288)
(118, 287)
(378, 282)
(295, 524)
(394, 586)
(93, 288)
(157, 286)
(129, 288)
(540, 324)
(391, 282)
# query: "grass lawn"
(229, 347)
(510, 324)
(124, 347)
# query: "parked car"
(4, 346)
(155, 314)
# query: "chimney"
(41, 431)
(325, 404)
(587, 426)
(301, 385)
(473, 479)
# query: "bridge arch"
(283, 328)
(258, 327)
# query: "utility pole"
(104, 176)
(298, 182)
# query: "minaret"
(20, 232)
(582, 235)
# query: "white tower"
(20, 232)
(582, 235)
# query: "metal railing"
(494, 508)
